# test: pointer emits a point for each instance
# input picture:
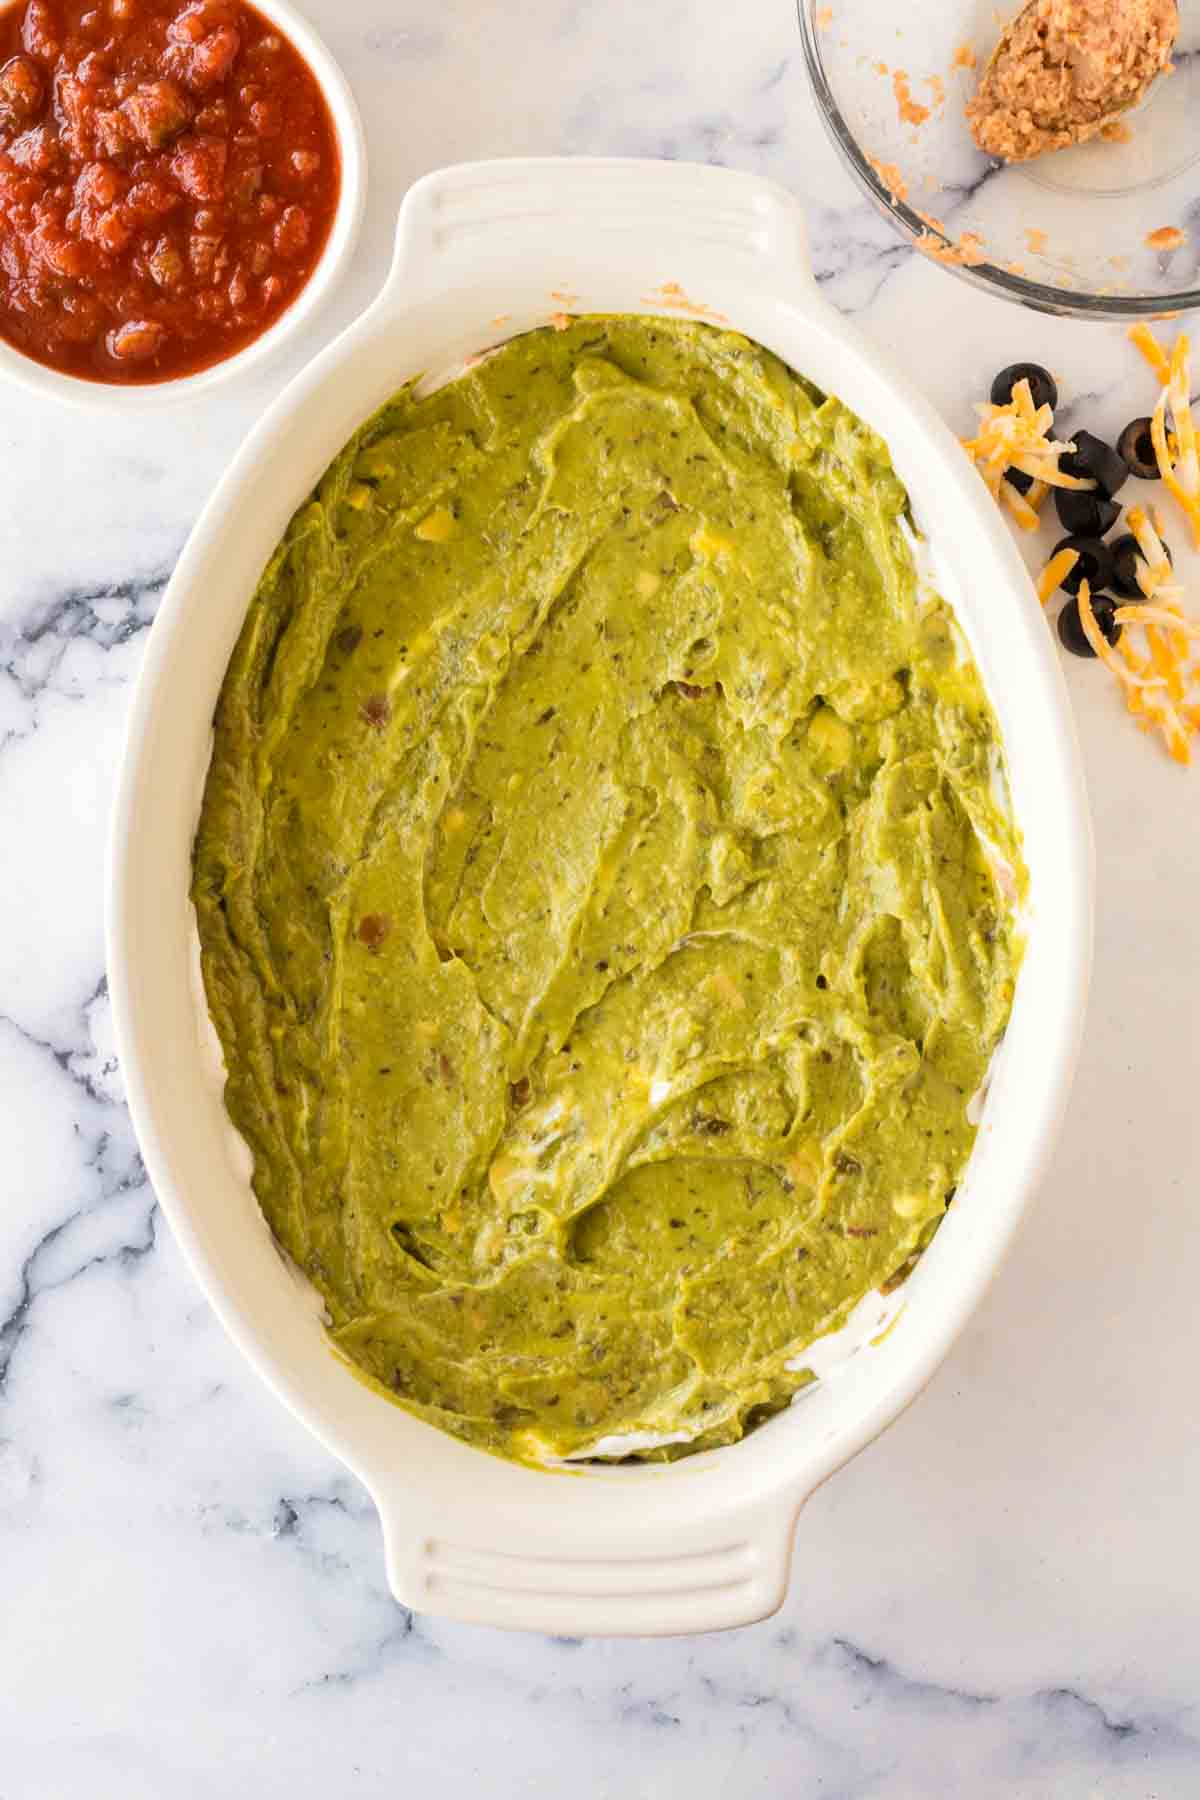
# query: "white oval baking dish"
(482, 251)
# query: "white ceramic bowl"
(482, 251)
(131, 397)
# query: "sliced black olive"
(1070, 625)
(1041, 384)
(1136, 448)
(1104, 612)
(1087, 515)
(1125, 558)
(1019, 480)
(1094, 565)
(1097, 461)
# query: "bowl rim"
(986, 277)
(80, 392)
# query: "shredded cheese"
(1175, 732)
(1165, 662)
(1055, 573)
(1104, 649)
(1018, 505)
(1145, 340)
(1187, 464)
(1153, 565)
(1155, 685)
(1140, 665)
(1137, 614)
(1156, 658)
(1175, 451)
(1190, 503)
(1016, 436)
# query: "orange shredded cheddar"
(1187, 463)
(1154, 565)
(1145, 340)
(1167, 237)
(1165, 662)
(1137, 614)
(1018, 505)
(965, 57)
(1140, 665)
(1156, 685)
(1054, 573)
(1016, 436)
(1176, 734)
(1188, 501)
(1104, 649)
(1156, 656)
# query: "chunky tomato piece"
(291, 233)
(165, 264)
(100, 184)
(213, 56)
(158, 111)
(168, 177)
(137, 341)
(199, 167)
(38, 31)
(22, 89)
(38, 150)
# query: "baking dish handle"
(467, 218)
(662, 1575)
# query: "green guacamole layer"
(596, 890)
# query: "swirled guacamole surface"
(595, 890)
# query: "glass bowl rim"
(986, 276)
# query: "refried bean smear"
(1064, 70)
(168, 177)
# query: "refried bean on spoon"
(1064, 70)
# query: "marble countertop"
(999, 1599)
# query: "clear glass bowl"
(1072, 232)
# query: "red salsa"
(168, 177)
